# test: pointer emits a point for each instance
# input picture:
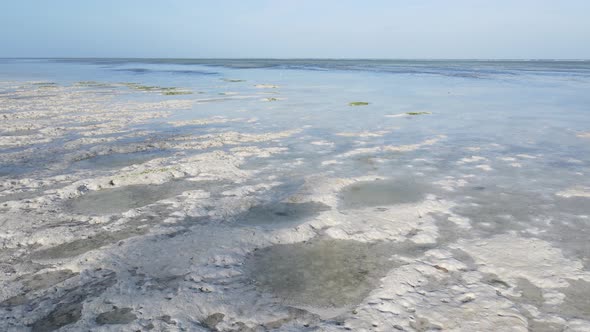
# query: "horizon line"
(297, 58)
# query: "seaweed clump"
(92, 84)
(176, 93)
(166, 91)
(358, 103)
(232, 80)
(45, 84)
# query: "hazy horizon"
(298, 59)
(262, 29)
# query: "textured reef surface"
(295, 195)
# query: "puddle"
(256, 163)
(116, 316)
(381, 192)
(322, 274)
(20, 196)
(118, 200)
(44, 280)
(78, 247)
(282, 213)
(116, 160)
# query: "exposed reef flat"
(193, 201)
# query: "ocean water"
(524, 105)
(503, 145)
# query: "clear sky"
(296, 28)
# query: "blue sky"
(296, 28)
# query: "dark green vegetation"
(175, 93)
(167, 91)
(358, 103)
(232, 80)
(45, 84)
(93, 84)
(417, 113)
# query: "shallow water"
(10, 171)
(281, 214)
(86, 244)
(305, 201)
(382, 193)
(116, 316)
(322, 273)
(117, 200)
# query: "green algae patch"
(358, 103)
(232, 80)
(271, 99)
(43, 85)
(87, 83)
(417, 113)
(166, 91)
(141, 87)
(92, 84)
(176, 93)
